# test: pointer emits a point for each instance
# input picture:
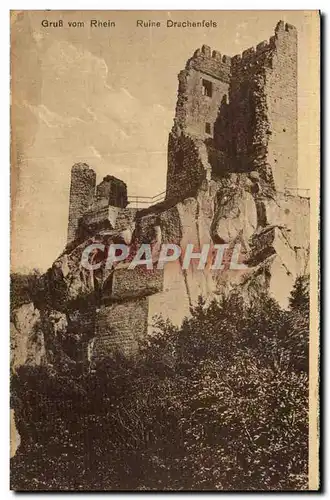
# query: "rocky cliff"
(225, 156)
(79, 315)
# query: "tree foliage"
(220, 403)
(22, 288)
(299, 297)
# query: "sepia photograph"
(164, 282)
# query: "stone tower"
(113, 191)
(202, 87)
(82, 189)
(263, 109)
(237, 114)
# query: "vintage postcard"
(165, 180)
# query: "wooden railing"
(135, 201)
(145, 201)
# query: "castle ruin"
(232, 176)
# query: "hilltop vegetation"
(220, 403)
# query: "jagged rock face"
(232, 150)
(27, 337)
(15, 438)
(216, 194)
(236, 214)
(86, 314)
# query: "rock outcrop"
(228, 166)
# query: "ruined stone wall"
(281, 94)
(249, 128)
(187, 167)
(202, 87)
(113, 191)
(232, 153)
(120, 326)
(91, 211)
(82, 189)
(101, 217)
(244, 109)
(263, 109)
(126, 283)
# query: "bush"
(220, 403)
(22, 288)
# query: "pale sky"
(107, 96)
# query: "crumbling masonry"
(232, 177)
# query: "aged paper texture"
(164, 250)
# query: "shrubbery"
(220, 403)
(22, 288)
